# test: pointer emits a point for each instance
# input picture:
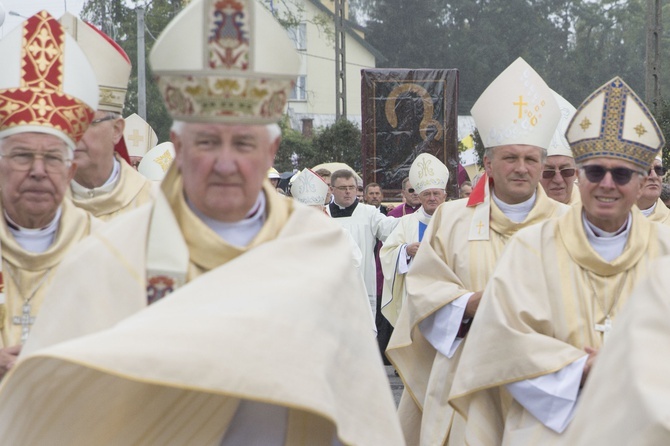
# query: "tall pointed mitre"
(559, 144)
(428, 172)
(237, 65)
(46, 83)
(110, 62)
(309, 188)
(516, 108)
(613, 122)
(139, 136)
(157, 161)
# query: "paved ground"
(396, 383)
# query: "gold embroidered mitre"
(110, 62)
(236, 65)
(613, 122)
(139, 136)
(46, 83)
(516, 108)
(309, 188)
(428, 172)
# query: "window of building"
(299, 93)
(298, 35)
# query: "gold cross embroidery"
(520, 104)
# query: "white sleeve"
(383, 225)
(403, 262)
(441, 327)
(551, 398)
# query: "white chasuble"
(625, 400)
(661, 213)
(27, 275)
(539, 311)
(130, 191)
(446, 267)
(394, 262)
(176, 371)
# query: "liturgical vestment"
(26, 276)
(625, 400)
(174, 372)
(660, 214)
(447, 266)
(411, 229)
(130, 191)
(550, 297)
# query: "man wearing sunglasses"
(411, 198)
(559, 287)
(559, 172)
(516, 117)
(105, 184)
(650, 202)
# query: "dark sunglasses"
(410, 190)
(620, 175)
(565, 173)
(660, 170)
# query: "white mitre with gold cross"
(559, 145)
(225, 62)
(157, 161)
(516, 108)
(428, 172)
(309, 188)
(139, 136)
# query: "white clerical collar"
(80, 191)
(609, 245)
(239, 233)
(648, 212)
(515, 212)
(422, 216)
(35, 240)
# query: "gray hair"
(274, 131)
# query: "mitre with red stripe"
(46, 83)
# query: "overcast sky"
(29, 7)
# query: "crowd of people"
(209, 309)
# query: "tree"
(340, 142)
(295, 150)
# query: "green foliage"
(295, 150)
(479, 148)
(340, 142)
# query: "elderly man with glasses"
(105, 184)
(560, 285)
(410, 198)
(252, 327)
(45, 110)
(650, 202)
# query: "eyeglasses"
(106, 118)
(346, 188)
(411, 190)
(565, 173)
(660, 170)
(22, 161)
(620, 175)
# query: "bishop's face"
(515, 170)
(223, 166)
(35, 171)
(608, 201)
